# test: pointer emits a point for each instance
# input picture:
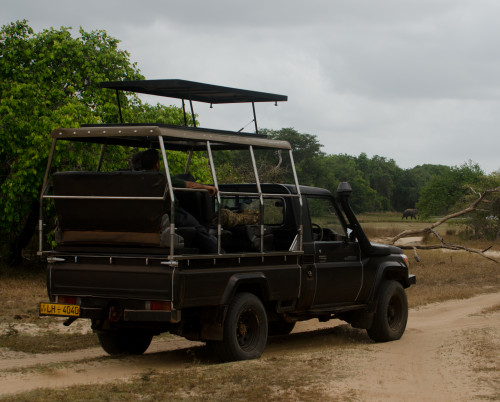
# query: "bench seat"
(104, 221)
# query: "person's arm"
(211, 189)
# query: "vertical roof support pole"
(42, 193)
(171, 194)
(101, 156)
(261, 199)
(184, 112)
(119, 106)
(255, 118)
(192, 113)
(216, 185)
(188, 162)
(297, 187)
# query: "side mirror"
(351, 235)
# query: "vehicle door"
(339, 271)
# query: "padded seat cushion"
(127, 215)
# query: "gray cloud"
(415, 81)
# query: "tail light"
(159, 305)
(68, 300)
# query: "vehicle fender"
(392, 270)
(255, 282)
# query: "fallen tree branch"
(430, 229)
(453, 247)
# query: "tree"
(306, 153)
(446, 189)
(478, 198)
(380, 173)
(484, 221)
(409, 183)
(48, 80)
(334, 169)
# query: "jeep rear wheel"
(245, 329)
(389, 322)
(124, 342)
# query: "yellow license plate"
(63, 310)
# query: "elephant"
(412, 213)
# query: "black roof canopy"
(194, 91)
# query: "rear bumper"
(149, 315)
(97, 313)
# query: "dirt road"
(450, 352)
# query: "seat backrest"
(197, 203)
(110, 215)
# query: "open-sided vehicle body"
(285, 252)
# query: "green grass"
(440, 276)
(48, 343)
(280, 378)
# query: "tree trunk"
(15, 257)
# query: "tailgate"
(116, 280)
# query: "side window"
(274, 208)
(325, 222)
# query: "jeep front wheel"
(245, 329)
(389, 322)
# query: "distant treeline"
(378, 183)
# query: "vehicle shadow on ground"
(338, 336)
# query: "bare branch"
(470, 208)
(444, 245)
(453, 247)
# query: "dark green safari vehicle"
(282, 252)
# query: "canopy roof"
(174, 137)
(194, 91)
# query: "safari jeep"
(285, 252)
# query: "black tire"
(245, 329)
(389, 322)
(124, 342)
(276, 328)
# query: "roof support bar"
(119, 105)
(297, 187)
(101, 156)
(192, 113)
(261, 199)
(255, 118)
(45, 188)
(216, 185)
(171, 194)
(188, 162)
(184, 112)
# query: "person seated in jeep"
(150, 160)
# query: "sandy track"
(433, 361)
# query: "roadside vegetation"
(53, 95)
(441, 275)
(38, 93)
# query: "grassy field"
(441, 275)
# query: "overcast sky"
(416, 81)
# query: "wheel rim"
(394, 313)
(247, 330)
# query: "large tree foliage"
(378, 183)
(444, 191)
(51, 79)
